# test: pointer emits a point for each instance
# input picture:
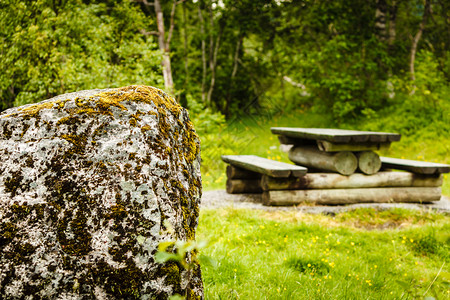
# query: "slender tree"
(163, 41)
(416, 39)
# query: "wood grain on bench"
(264, 165)
(419, 167)
(336, 135)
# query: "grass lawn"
(364, 254)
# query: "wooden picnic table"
(336, 154)
(324, 147)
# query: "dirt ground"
(219, 198)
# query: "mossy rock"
(87, 181)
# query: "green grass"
(290, 255)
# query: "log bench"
(264, 166)
(414, 166)
(244, 172)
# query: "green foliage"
(272, 54)
(177, 251)
(349, 85)
(48, 49)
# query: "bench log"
(239, 173)
(368, 162)
(351, 196)
(337, 181)
(310, 156)
(244, 186)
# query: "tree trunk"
(212, 66)
(233, 73)
(426, 12)
(203, 43)
(392, 23)
(164, 45)
(186, 58)
(380, 20)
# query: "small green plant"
(184, 253)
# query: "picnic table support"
(244, 186)
(367, 146)
(351, 196)
(239, 173)
(337, 181)
(368, 162)
(310, 156)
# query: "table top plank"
(336, 135)
(265, 166)
(418, 167)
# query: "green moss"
(190, 146)
(20, 254)
(70, 120)
(33, 110)
(171, 270)
(13, 182)
(25, 129)
(7, 132)
(80, 242)
(78, 141)
(8, 231)
(122, 283)
(145, 128)
(196, 273)
(20, 211)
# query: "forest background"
(243, 66)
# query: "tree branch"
(145, 2)
(172, 23)
(147, 33)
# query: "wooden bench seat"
(336, 135)
(265, 166)
(418, 167)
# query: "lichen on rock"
(87, 182)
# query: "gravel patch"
(220, 199)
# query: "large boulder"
(90, 183)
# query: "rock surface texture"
(88, 183)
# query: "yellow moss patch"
(34, 109)
(137, 93)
